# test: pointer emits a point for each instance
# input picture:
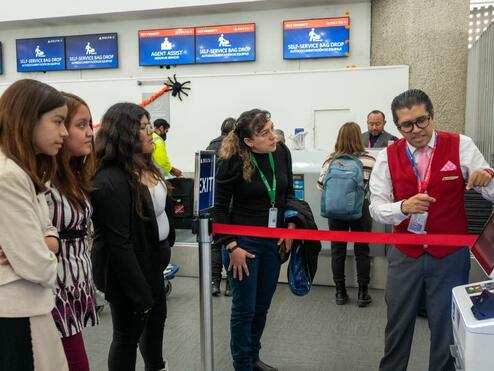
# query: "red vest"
(447, 215)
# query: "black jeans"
(216, 262)
(131, 329)
(338, 249)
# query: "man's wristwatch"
(232, 249)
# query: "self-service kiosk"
(474, 338)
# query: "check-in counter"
(306, 167)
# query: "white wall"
(30, 9)
(269, 41)
(293, 98)
(196, 120)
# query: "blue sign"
(42, 54)
(316, 38)
(230, 43)
(204, 187)
(165, 47)
(91, 51)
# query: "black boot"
(215, 289)
(261, 366)
(341, 295)
(228, 290)
(364, 299)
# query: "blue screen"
(225, 44)
(91, 51)
(315, 40)
(164, 47)
(43, 54)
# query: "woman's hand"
(284, 243)
(238, 263)
(52, 243)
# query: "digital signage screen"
(95, 51)
(40, 54)
(166, 46)
(316, 38)
(228, 43)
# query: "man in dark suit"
(376, 137)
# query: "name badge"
(417, 223)
(273, 217)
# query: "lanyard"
(271, 189)
(422, 186)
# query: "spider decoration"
(178, 88)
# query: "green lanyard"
(272, 189)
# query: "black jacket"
(215, 144)
(127, 261)
(305, 220)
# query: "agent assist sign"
(204, 181)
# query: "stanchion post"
(202, 226)
(206, 307)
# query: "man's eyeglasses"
(421, 123)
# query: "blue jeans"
(251, 299)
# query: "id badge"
(417, 223)
(273, 217)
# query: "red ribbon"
(369, 237)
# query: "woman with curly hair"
(133, 236)
(253, 182)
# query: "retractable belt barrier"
(369, 237)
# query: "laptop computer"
(483, 248)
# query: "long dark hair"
(247, 125)
(21, 107)
(118, 143)
(74, 174)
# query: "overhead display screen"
(166, 46)
(92, 51)
(40, 54)
(228, 43)
(316, 38)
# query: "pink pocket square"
(448, 166)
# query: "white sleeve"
(22, 233)
(383, 207)
(471, 159)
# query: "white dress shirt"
(386, 210)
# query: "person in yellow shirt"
(160, 156)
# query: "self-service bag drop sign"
(204, 186)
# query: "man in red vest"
(417, 185)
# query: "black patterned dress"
(75, 297)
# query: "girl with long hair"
(70, 213)
(349, 142)
(133, 235)
(32, 116)
(253, 182)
